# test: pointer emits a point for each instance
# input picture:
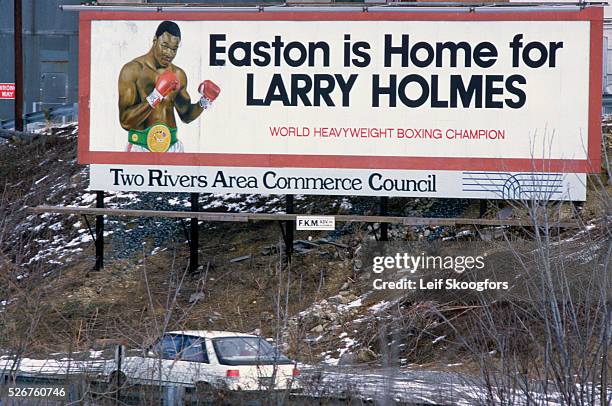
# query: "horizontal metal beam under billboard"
(245, 217)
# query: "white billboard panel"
(341, 182)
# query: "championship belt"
(157, 138)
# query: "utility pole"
(18, 67)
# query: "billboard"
(393, 103)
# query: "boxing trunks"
(156, 138)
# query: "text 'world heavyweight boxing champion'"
(151, 87)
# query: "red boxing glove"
(164, 85)
(209, 92)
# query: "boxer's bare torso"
(137, 80)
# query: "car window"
(247, 351)
(168, 346)
(194, 349)
(185, 348)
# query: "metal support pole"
(289, 227)
(483, 207)
(99, 232)
(384, 210)
(195, 234)
(18, 67)
(119, 354)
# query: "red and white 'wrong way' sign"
(7, 90)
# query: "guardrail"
(64, 111)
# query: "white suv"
(218, 359)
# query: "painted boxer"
(151, 88)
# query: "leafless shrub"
(550, 343)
